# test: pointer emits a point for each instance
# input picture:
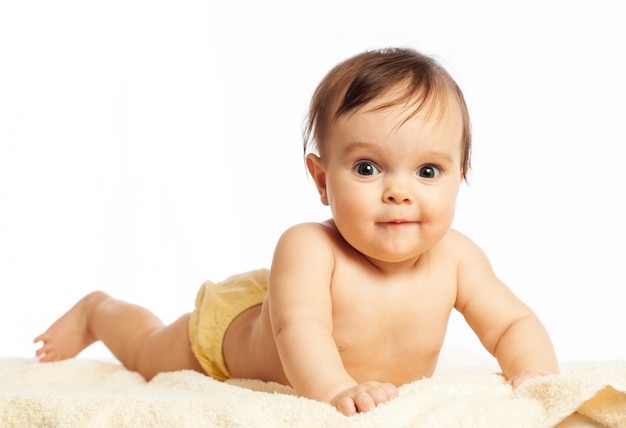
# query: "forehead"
(393, 113)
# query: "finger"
(515, 382)
(378, 394)
(347, 406)
(382, 392)
(390, 390)
(364, 402)
(45, 354)
(45, 357)
(43, 350)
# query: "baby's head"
(366, 77)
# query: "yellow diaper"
(217, 305)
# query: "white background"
(146, 146)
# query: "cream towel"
(84, 393)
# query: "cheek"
(347, 199)
(440, 206)
(347, 204)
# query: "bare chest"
(391, 331)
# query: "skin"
(357, 305)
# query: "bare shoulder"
(476, 279)
(459, 246)
(311, 228)
(301, 271)
(310, 236)
(305, 249)
(473, 268)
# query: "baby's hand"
(520, 378)
(364, 397)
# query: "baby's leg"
(132, 333)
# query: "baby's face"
(392, 184)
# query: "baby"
(358, 305)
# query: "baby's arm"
(507, 328)
(301, 315)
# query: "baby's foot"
(69, 334)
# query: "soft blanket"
(88, 393)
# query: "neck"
(394, 267)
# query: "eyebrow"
(361, 145)
(444, 157)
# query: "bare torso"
(386, 329)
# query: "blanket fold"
(97, 394)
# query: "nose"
(398, 191)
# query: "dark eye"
(429, 171)
(366, 168)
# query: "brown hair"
(366, 76)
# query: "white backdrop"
(146, 146)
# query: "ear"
(316, 169)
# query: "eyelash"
(435, 168)
(372, 169)
(366, 164)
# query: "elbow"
(503, 333)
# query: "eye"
(429, 171)
(366, 168)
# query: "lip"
(398, 222)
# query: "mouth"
(398, 222)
